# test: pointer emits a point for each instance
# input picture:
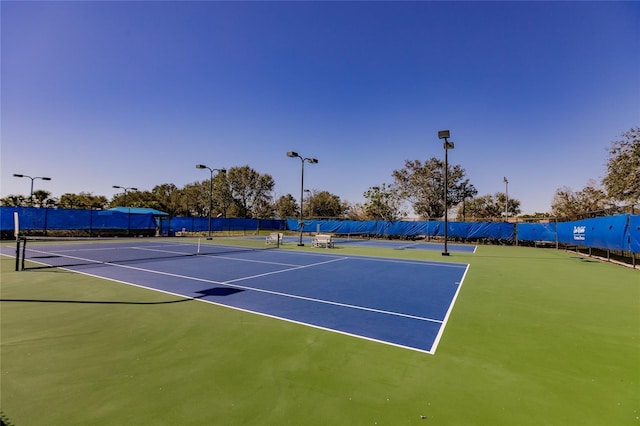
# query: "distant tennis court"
(404, 303)
(395, 244)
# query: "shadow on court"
(215, 291)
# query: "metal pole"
(446, 216)
(506, 204)
(17, 253)
(31, 195)
(210, 201)
(301, 223)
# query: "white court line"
(230, 283)
(334, 258)
(446, 317)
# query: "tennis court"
(404, 303)
(392, 244)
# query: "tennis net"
(351, 237)
(44, 252)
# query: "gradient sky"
(96, 94)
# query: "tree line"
(244, 192)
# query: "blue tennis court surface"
(398, 302)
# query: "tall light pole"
(294, 154)
(125, 192)
(202, 166)
(32, 179)
(125, 205)
(444, 134)
(506, 204)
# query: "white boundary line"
(230, 283)
(448, 314)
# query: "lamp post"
(294, 154)
(506, 204)
(125, 192)
(202, 166)
(32, 179)
(125, 205)
(444, 134)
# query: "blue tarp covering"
(620, 232)
(537, 232)
(603, 232)
(493, 230)
(32, 218)
(138, 210)
(634, 233)
(218, 224)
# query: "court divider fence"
(610, 233)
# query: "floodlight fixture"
(32, 179)
(443, 134)
(294, 154)
(125, 190)
(202, 166)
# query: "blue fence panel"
(219, 224)
(6, 218)
(603, 232)
(409, 229)
(28, 217)
(620, 232)
(59, 219)
(537, 232)
(634, 233)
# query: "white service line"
(230, 283)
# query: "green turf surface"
(537, 336)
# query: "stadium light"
(125, 205)
(506, 204)
(202, 166)
(444, 134)
(294, 154)
(125, 192)
(32, 179)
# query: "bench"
(274, 238)
(323, 240)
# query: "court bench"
(323, 240)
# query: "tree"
(383, 202)
(83, 200)
(41, 198)
(423, 186)
(355, 211)
(322, 205)
(169, 199)
(14, 201)
(489, 207)
(567, 203)
(286, 207)
(250, 190)
(622, 181)
(467, 191)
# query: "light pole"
(506, 204)
(125, 192)
(32, 179)
(202, 166)
(125, 205)
(294, 154)
(444, 134)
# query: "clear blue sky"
(96, 94)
